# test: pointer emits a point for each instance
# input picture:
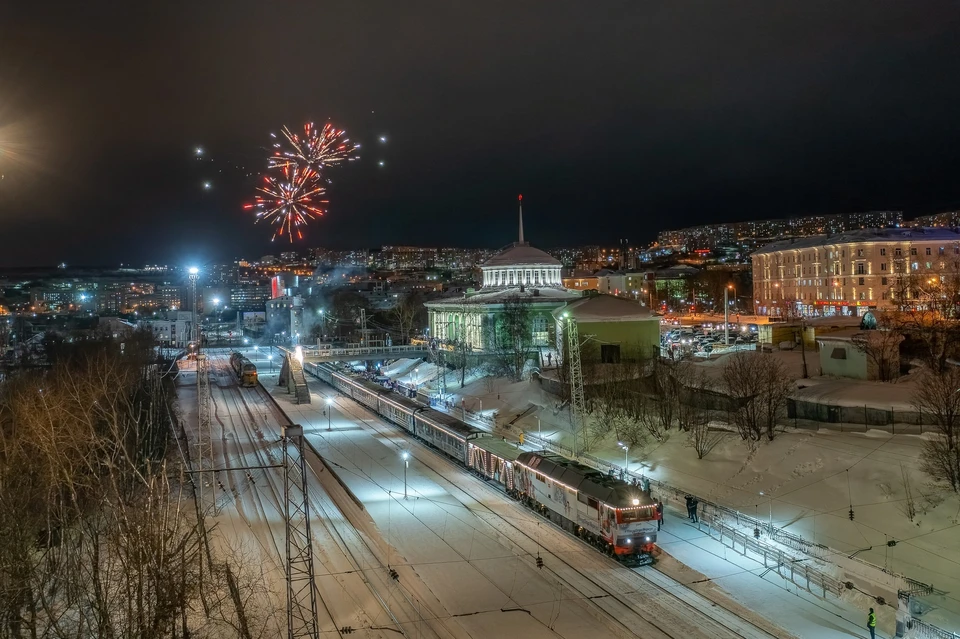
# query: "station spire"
(520, 199)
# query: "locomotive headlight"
(636, 502)
(629, 541)
(648, 539)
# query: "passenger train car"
(615, 516)
(244, 369)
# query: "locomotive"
(615, 516)
(244, 369)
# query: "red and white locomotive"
(617, 517)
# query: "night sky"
(614, 119)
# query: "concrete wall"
(643, 334)
(853, 365)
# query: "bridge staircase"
(292, 376)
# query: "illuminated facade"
(849, 273)
(518, 274)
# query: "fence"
(803, 575)
(923, 630)
(847, 418)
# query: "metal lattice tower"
(578, 404)
(301, 589)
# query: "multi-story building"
(284, 316)
(710, 236)
(249, 297)
(946, 219)
(852, 272)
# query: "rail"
(896, 581)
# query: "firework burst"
(289, 200)
(316, 149)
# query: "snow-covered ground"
(809, 480)
(248, 516)
(473, 549)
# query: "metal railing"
(811, 579)
(923, 630)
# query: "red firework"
(290, 200)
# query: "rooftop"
(499, 296)
(892, 235)
(606, 308)
(521, 254)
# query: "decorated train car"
(244, 369)
(494, 459)
(614, 515)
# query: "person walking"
(693, 510)
(872, 624)
(689, 499)
(659, 514)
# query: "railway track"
(338, 579)
(631, 599)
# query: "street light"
(406, 464)
(329, 410)
(770, 498)
(270, 359)
(416, 378)
(626, 458)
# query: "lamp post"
(406, 464)
(726, 314)
(194, 329)
(626, 458)
(216, 306)
(416, 377)
(770, 501)
(329, 410)
(270, 359)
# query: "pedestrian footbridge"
(320, 354)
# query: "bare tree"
(881, 347)
(95, 538)
(407, 313)
(512, 339)
(929, 303)
(759, 385)
(937, 396)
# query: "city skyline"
(609, 123)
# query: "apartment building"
(852, 272)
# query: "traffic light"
(539, 561)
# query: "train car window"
(582, 498)
(541, 477)
(593, 503)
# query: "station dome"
(521, 265)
